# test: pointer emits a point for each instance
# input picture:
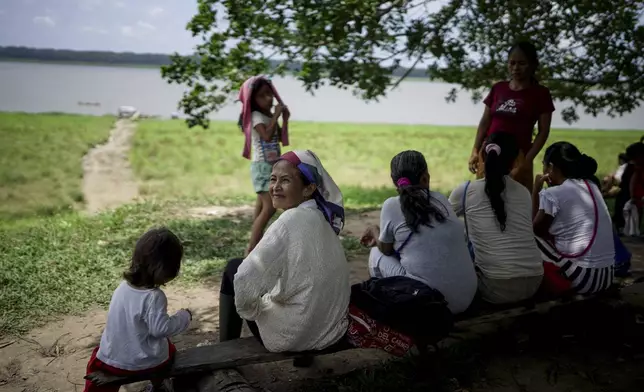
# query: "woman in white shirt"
(498, 223)
(572, 222)
(293, 288)
(420, 236)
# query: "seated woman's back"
(500, 254)
(579, 218)
(571, 220)
(436, 255)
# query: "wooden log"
(224, 355)
(224, 380)
(248, 351)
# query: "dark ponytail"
(500, 153)
(407, 169)
(571, 162)
(530, 52)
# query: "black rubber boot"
(230, 324)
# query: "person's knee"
(375, 253)
(229, 276)
(232, 266)
(374, 260)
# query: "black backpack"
(406, 305)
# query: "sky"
(143, 26)
(152, 26)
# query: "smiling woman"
(293, 288)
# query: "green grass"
(173, 161)
(64, 264)
(40, 161)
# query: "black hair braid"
(498, 162)
(415, 200)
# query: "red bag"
(365, 332)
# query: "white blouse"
(295, 283)
(574, 222)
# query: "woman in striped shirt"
(572, 223)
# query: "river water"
(42, 87)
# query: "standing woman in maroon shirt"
(515, 107)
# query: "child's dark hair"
(415, 200)
(259, 83)
(156, 259)
(571, 162)
(498, 163)
(530, 52)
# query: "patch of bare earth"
(210, 212)
(108, 181)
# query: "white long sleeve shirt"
(295, 283)
(138, 327)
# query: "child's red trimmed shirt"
(517, 112)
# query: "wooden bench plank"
(248, 351)
(224, 355)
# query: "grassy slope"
(174, 161)
(40, 160)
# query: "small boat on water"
(128, 112)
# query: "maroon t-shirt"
(517, 111)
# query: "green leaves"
(591, 51)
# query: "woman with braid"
(420, 236)
(498, 221)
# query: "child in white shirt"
(136, 336)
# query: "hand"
(473, 163)
(370, 236)
(514, 172)
(189, 312)
(278, 110)
(539, 180)
(286, 114)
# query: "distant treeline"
(121, 58)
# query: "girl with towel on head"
(259, 123)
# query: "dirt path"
(108, 180)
